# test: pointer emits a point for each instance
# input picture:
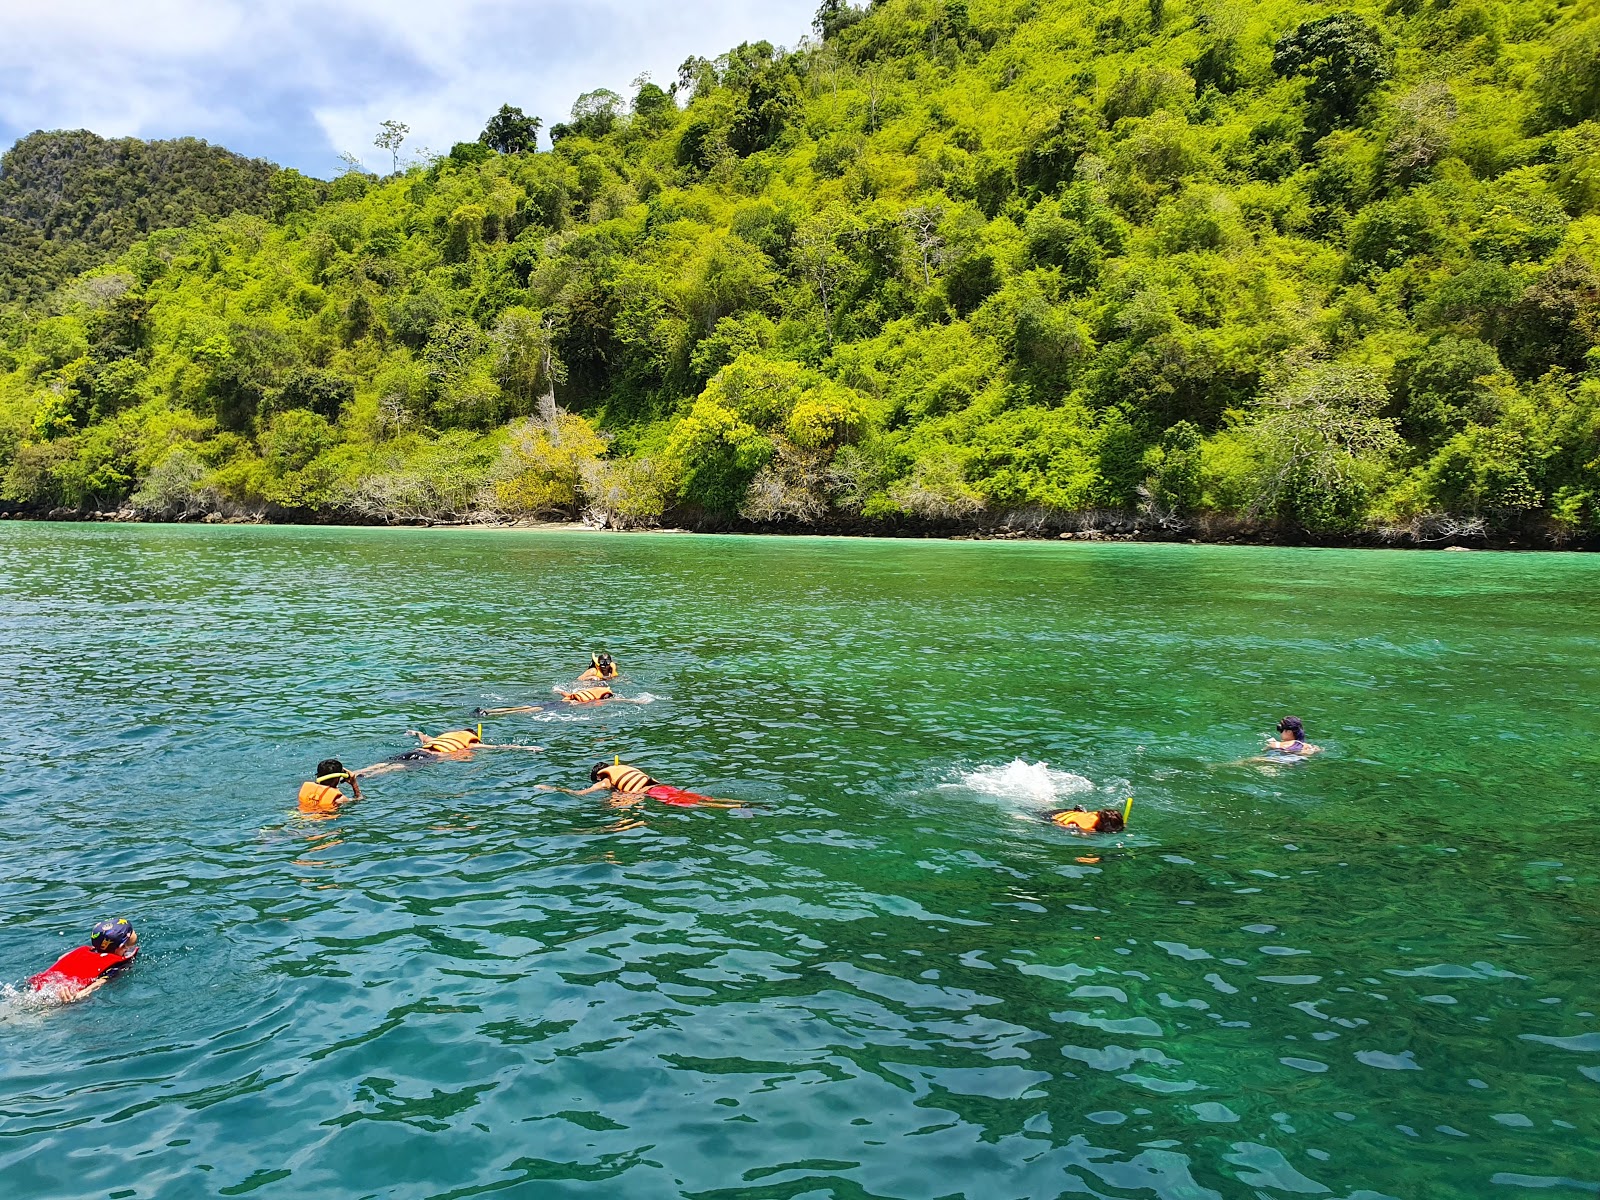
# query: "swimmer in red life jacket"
(602, 669)
(629, 785)
(321, 796)
(112, 946)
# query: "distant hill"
(71, 200)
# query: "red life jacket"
(672, 795)
(79, 968)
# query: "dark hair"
(330, 766)
(594, 775)
(1110, 821)
(1292, 725)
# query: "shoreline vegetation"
(1163, 269)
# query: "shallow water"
(1371, 974)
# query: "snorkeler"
(1077, 820)
(1291, 739)
(322, 794)
(456, 743)
(628, 784)
(1083, 822)
(595, 695)
(601, 667)
(112, 946)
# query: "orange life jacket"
(588, 695)
(320, 798)
(626, 779)
(1083, 822)
(449, 743)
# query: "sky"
(300, 81)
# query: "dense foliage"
(70, 201)
(1174, 263)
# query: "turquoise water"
(1368, 974)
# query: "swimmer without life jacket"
(588, 695)
(450, 743)
(108, 949)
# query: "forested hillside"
(1186, 266)
(70, 201)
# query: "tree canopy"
(1178, 265)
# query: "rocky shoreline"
(1074, 527)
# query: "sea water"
(1369, 974)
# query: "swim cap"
(109, 935)
(1292, 725)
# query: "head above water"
(330, 769)
(603, 662)
(110, 935)
(594, 772)
(1292, 725)
(1110, 821)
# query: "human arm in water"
(588, 791)
(1292, 746)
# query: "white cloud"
(298, 81)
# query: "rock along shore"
(1032, 526)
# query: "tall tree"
(511, 131)
(1345, 59)
(391, 134)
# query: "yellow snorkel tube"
(1126, 809)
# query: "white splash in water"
(1021, 780)
(19, 1004)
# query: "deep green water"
(1370, 974)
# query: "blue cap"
(110, 934)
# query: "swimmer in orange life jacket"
(628, 785)
(594, 695)
(602, 668)
(112, 946)
(457, 743)
(1081, 822)
(1291, 740)
(322, 796)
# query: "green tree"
(1345, 60)
(511, 131)
(391, 136)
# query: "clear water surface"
(1373, 974)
